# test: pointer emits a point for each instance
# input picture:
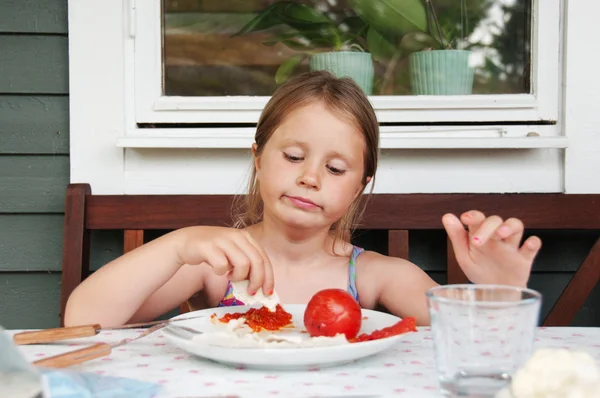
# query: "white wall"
(223, 171)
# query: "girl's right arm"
(153, 279)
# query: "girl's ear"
(256, 157)
(361, 188)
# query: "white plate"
(279, 357)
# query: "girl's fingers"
(473, 220)
(530, 248)
(486, 230)
(459, 238)
(511, 231)
(268, 277)
(256, 272)
(218, 261)
(238, 259)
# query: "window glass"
(396, 47)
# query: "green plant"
(370, 26)
(444, 35)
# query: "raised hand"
(489, 250)
(228, 251)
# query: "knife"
(71, 332)
(91, 352)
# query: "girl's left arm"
(488, 251)
(394, 283)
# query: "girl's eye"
(336, 171)
(292, 158)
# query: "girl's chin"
(304, 221)
(299, 224)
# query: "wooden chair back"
(398, 214)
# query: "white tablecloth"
(408, 370)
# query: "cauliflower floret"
(556, 373)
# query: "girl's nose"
(309, 178)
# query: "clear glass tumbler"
(482, 334)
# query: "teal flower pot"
(356, 65)
(441, 72)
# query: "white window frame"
(151, 106)
(109, 151)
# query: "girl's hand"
(228, 251)
(488, 251)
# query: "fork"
(188, 329)
(177, 329)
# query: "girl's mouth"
(303, 203)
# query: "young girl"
(315, 151)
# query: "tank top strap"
(352, 272)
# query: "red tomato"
(405, 325)
(332, 311)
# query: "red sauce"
(404, 326)
(262, 318)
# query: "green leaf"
(355, 25)
(393, 17)
(290, 13)
(294, 13)
(353, 30)
(313, 25)
(324, 29)
(418, 41)
(286, 69)
(379, 46)
(265, 20)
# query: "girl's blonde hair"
(343, 97)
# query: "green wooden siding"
(33, 16)
(34, 161)
(34, 64)
(33, 242)
(33, 183)
(34, 172)
(29, 300)
(34, 124)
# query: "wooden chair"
(396, 213)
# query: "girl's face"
(311, 168)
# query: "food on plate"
(237, 333)
(405, 325)
(261, 318)
(555, 372)
(260, 327)
(332, 311)
(240, 295)
(331, 317)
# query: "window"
(192, 65)
(204, 53)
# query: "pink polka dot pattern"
(407, 370)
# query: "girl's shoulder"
(373, 270)
(375, 260)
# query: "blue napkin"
(68, 384)
(20, 379)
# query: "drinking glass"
(482, 334)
